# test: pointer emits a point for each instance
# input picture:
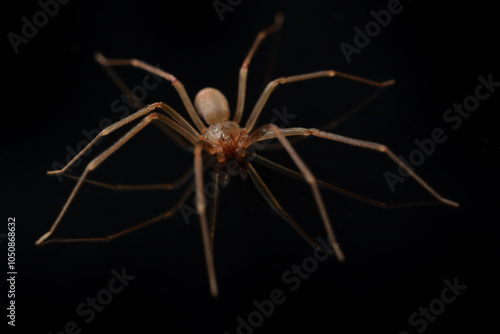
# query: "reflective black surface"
(397, 261)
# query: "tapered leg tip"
(338, 252)
(100, 58)
(214, 291)
(451, 203)
(42, 239)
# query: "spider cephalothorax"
(227, 139)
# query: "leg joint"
(382, 148)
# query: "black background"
(397, 259)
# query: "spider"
(218, 142)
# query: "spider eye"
(227, 139)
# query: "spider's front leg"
(202, 214)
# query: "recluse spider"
(222, 141)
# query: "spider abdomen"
(212, 105)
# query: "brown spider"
(224, 140)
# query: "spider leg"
(214, 204)
(272, 57)
(154, 70)
(173, 210)
(301, 77)
(242, 83)
(126, 187)
(336, 122)
(269, 131)
(181, 126)
(311, 180)
(296, 175)
(202, 214)
(104, 155)
(138, 103)
(333, 124)
(118, 81)
(268, 196)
